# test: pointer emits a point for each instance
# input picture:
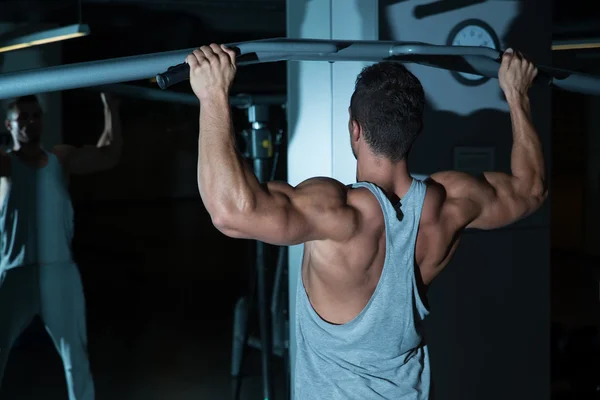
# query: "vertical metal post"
(261, 151)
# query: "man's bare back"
(340, 278)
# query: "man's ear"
(355, 130)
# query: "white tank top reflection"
(36, 219)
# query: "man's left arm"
(104, 155)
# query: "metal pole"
(262, 152)
(147, 66)
(259, 149)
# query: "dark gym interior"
(161, 283)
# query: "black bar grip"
(181, 72)
(173, 75)
(545, 75)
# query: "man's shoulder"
(320, 182)
(324, 189)
(434, 202)
(365, 202)
(332, 193)
(440, 209)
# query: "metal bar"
(580, 83)
(147, 66)
(278, 279)
(424, 49)
(74, 76)
(126, 69)
(345, 50)
(264, 317)
(287, 46)
(256, 343)
(485, 62)
(246, 339)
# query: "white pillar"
(318, 100)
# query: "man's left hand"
(212, 70)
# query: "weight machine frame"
(260, 149)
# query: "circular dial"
(472, 33)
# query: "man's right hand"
(516, 74)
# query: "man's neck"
(390, 177)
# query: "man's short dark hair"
(388, 103)
(15, 103)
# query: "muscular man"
(371, 248)
(37, 273)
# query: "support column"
(318, 100)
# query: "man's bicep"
(285, 215)
(489, 201)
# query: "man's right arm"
(498, 199)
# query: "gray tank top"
(381, 353)
(36, 219)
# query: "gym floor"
(160, 313)
(169, 357)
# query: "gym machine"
(258, 147)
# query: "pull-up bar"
(475, 60)
(482, 61)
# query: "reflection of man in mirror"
(37, 273)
